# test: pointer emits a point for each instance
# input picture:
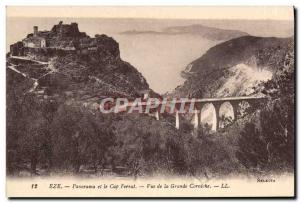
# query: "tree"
(272, 145)
(32, 142)
(64, 137)
(205, 153)
(252, 152)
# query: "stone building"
(34, 41)
(17, 49)
(67, 30)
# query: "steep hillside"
(74, 67)
(234, 67)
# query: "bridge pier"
(217, 106)
(235, 107)
(177, 120)
(197, 116)
(157, 115)
(196, 119)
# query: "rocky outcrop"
(83, 75)
(231, 60)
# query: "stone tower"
(35, 30)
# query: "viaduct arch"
(217, 103)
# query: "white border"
(3, 3)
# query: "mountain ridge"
(206, 75)
(207, 32)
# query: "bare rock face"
(101, 48)
(220, 65)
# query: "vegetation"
(57, 138)
(55, 135)
(47, 136)
(267, 141)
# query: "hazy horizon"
(160, 58)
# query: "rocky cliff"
(234, 67)
(93, 70)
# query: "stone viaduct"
(190, 106)
(182, 107)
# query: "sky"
(170, 12)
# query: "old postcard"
(150, 102)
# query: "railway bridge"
(187, 106)
(216, 103)
(196, 106)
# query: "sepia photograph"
(150, 101)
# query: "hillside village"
(67, 62)
(62, 37)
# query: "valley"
(55, 77)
